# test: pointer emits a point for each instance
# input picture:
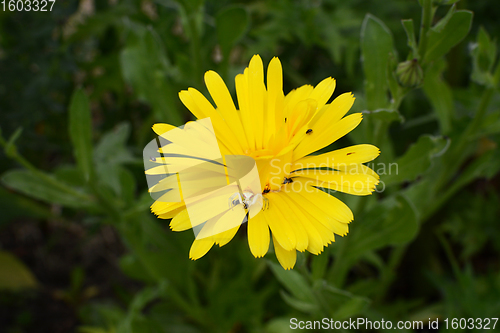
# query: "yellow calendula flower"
(279, 132)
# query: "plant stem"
(25, 163)
(424, 27)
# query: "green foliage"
(447, 33)
(14, 274)
(231, 23)
(376, 44)
(80, 132)
(82, 88)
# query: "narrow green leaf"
(297, 304)
(14, 274)
(410, 34)
(439, 26)
(231, 24)
(416, 160)
(80, 132)
(376, 44)
(10, 147)
(45, 187)
(439, 94)
(484, 54)
(294, 282)
(441, 40)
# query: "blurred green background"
(81, 85)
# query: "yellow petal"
(200, 247)
(336, 208)
(283, 204)
(275, 98)
(159, 207)
(305, 199)
(315, 239)
(323, 137)
(357, 169)
(279, 225)
(247, 119)
(222, 98)
(201, 108)
(295, 96)
(234, 217)
(181, 221)
(356, 184)
(225, 237)
(332, 112)
(323, 91)
(258, 235)
(162, 128)
(256, 91)
(350, 155)
(286, 258)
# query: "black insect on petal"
(309, 131)
(287, 180)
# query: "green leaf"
(391, 222)
(10, 147)
(157, 250)
(144, 66)
(231, 24)
(342, 304)
(45, 187)
(17, 206)
(376, 44)
(444, 36)
(416, 160)
(111, 147)
(484, 54)
(80, 132)
(294, 282)
(109, 154)
(440, 95)
(14, 274)
(279, 325)
(351, 308)
(132, 267)
(134, 315)
(410, 34)
(439, 26)
(297, 304)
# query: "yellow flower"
(280, 132)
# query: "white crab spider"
(249, 200)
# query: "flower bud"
(409, 73)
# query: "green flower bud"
(409, 73)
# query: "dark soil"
(59, 254)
